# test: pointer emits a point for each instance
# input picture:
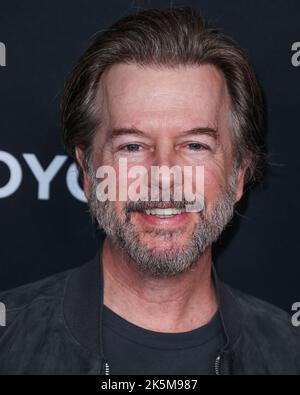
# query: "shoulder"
(35, 332)
(257, 308)
(46, 289)
(34, 305)
(268, 328)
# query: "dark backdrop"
(43, 232)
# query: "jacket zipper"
(218, 365)
(106, 368)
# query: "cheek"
(118, 207)
(118, 210)
(214, 184)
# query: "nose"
(164, 172)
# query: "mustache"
(141, 205)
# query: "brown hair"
(169, 38)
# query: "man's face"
(155, 117)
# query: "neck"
(178, 304)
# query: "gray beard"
(174, 260)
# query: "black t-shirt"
(130, 349)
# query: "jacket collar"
(230, 311)
(83, 306)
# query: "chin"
(165, 241)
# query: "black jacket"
(53, 326)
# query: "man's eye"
(132, 147)
(196, 146)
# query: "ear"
(240, 183)
(80, 159)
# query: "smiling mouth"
(164, 212)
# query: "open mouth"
(164, 212)
(166, 216)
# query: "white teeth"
(164, 212)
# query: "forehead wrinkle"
(114, 114)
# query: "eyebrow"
(203, 130)
(116, 132)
